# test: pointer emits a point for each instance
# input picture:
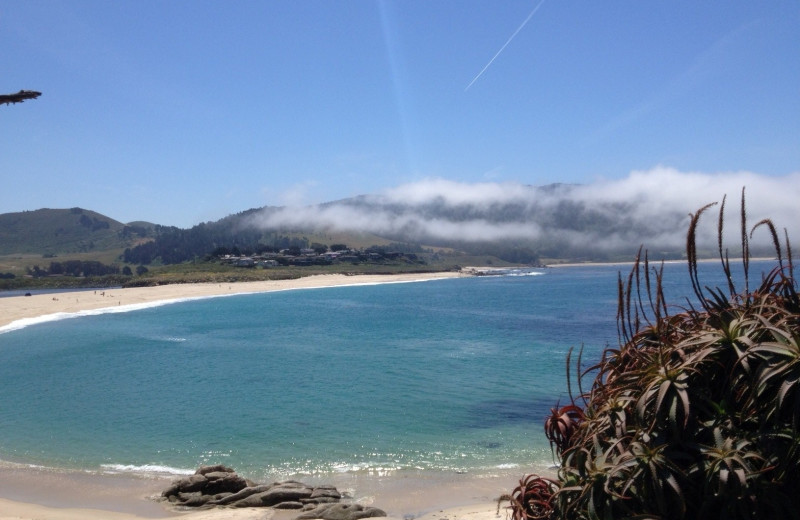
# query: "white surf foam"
(146, 469)
(27, 322)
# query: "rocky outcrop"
(208, 480)
(341, 512)
(212, 486)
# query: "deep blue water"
(444, 375)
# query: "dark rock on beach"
(240, 495)
(341, 512)
(213, 486)
(208, 480)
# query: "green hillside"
(65, 231)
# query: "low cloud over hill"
(646, 207)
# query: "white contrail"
(505, 45)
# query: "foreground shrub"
(695, 415)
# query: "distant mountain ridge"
(521, 224)
(59, 231)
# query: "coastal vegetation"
(696, 414)
(221, 270)
(216, 272)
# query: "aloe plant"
(696, 414)
(533, 498)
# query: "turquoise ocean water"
(452, 375)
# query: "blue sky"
(180, 112)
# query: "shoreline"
(21, 311)
(49, 494)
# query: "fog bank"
(649, 207)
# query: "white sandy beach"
(20, 308)
(30, 493)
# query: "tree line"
(82, 268)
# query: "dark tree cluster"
(133, 231)
(93, 223)
(75, 268)
(174, 245)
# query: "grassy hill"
(54, 232)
